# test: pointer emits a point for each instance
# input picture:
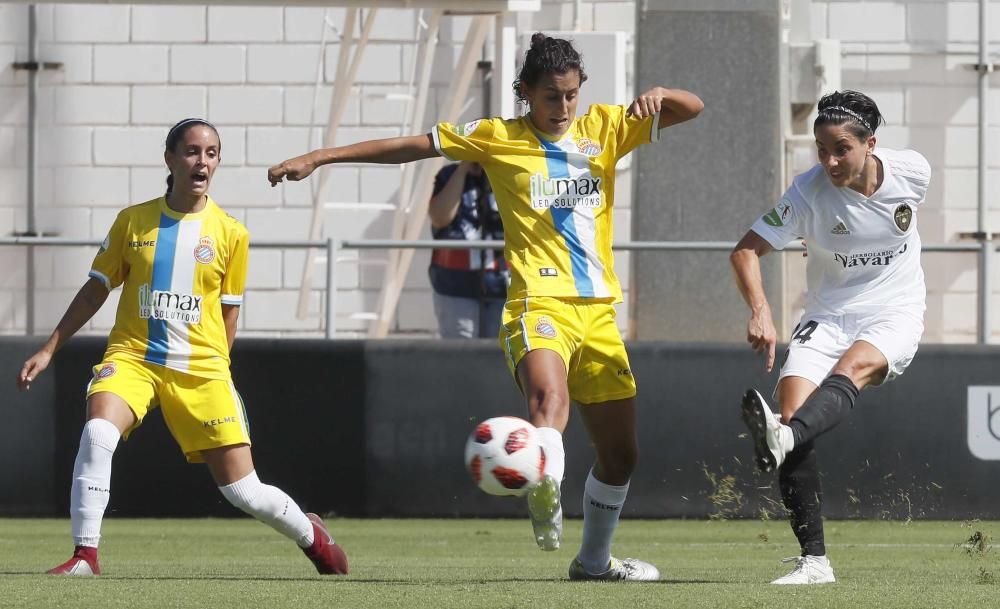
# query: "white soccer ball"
(504, 456)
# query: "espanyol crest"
(545, 328)
(204, 252)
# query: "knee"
(246, 495)
(861, 373)
(548, 405)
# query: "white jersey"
(864, 252)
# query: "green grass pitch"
(418, 564)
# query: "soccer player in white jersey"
(182, 264)
(863, 317)
(553, 175)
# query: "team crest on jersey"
(903, 216)
(545, 328)
(468, 128)
(105, 371)
(778, 216)
(589, 147)
(204, 252)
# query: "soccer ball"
(504, 456)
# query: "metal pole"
(32, 228)
(983, 69)
(982, 228)
(985, 291)
(332, 247)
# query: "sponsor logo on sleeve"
(903, 216)
(468, 128)
(780, 215)
(545, 328)
(105, 244)
(204, 252)
(548, 272)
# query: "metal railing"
(333, 246)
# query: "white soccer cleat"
(628, 569)
(772, 440)
(545, 510)
(808, 570)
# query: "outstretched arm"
(392, 150)
(745, 260)
(86, 302)
(674, 105)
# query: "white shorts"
(818, 342)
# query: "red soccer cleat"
(328, 557)
(82, 563)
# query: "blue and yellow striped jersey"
(555, 196)
(177, 270)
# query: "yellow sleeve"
(468, 142)
(109, 265)
(629, 132)
(235, 279)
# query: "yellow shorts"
(585, 336)
(200, 413)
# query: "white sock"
(602, 505)
(91, 489)
(555, 454)
(270, 505)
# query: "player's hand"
(762, 336)
(32, 368)
(647, 104)
(292, 170)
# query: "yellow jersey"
(177, 270)
(555, 196)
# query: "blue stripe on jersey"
(562, 219)
(157, 345)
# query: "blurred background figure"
(470, 286)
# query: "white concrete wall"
(930, 101)
(253, 72)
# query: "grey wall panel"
(708, 179)
(378, 429)
(26, 441)
(304, 402)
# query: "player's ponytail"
(851, 108)
(547, 55)
(177, 132)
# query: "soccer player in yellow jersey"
(553, 177)
(182, 264)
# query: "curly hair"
(547, 55)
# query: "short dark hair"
(177, 132)
(547, 55)
(851, 108)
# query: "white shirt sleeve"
(785, 222)
(912, 167)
